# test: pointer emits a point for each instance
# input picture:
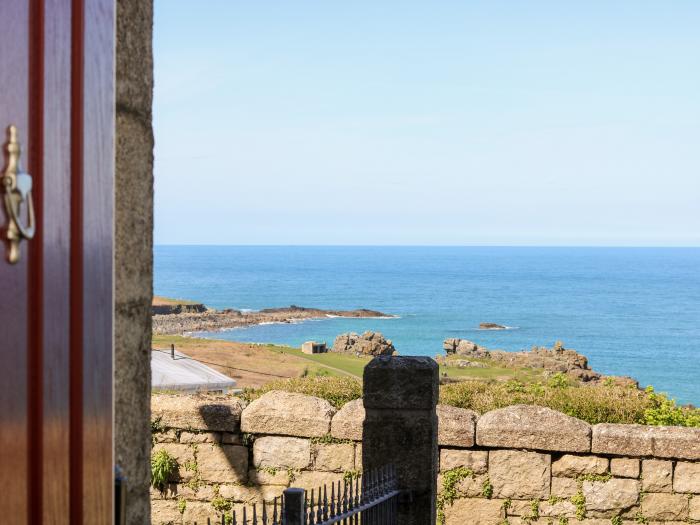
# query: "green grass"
(495, 373)
(170, 301)
(347, 363)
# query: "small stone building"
(312, 347)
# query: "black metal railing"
(368, 499)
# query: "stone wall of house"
(520, 464)
(133, 251)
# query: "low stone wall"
(520, 464)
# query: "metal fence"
(369, 499)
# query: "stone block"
(456, 426)
(686, 477)
(281, 452)
(467, 487)
(400, 382)
(347, 422)
(572, 466)
(622, 440)
(472, 486)
(677, 443)
(169, 436)
(560, 509)
(334, 457)
(694, 509)
(358, 456)
(165, 512)
(665, 507)
(533, 427)
(476, 460)
(289, 414)
(409, 430)
(614, 495)
(308, 480)
(268, 476)
(657, 475)
(564, 487)
(251, 493)
(197, 512)
(520, 475)
(200, 437)
(196, 412)
(474, 511)
(222, 463)
(624, 467)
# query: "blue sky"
(449, 122)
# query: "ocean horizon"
(631, 310)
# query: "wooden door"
(56, 305)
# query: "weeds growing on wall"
(163, 467)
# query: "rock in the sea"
(491, 326)
(369, 343)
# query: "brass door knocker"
(17, 189)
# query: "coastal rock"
(492, 326)
(183, 318)
(369, 343)
(555, 359)
(172, 309)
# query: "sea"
(631, 311)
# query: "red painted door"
(56, 305)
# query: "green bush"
(336, 390)
(602, 403)
(664, 411)
(163, 466)
(591, 403)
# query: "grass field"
(163, 301)
(253, 365)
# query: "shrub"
(558, 380)
(664, 411)
(602, 403)
(163, 466)
(336, 390)
(593, 404)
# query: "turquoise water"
(632, 311)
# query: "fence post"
(400, 396)
(294, 507)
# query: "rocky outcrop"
(555, 359)
(183, 318)
(173, 309)
(369, 343)
(492, 326)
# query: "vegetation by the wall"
(336, 390)
(602, 403)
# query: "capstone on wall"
(520, 464)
